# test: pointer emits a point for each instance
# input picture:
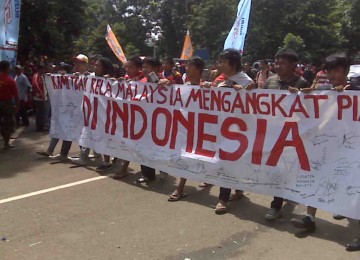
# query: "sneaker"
(272, 214)
(163, 175)
(353, 246)
(144, 180)
(338, 217)
(103, 168)
(117, 162)
(98, 160)
(305, 223)
(83, 160)
(59, 157)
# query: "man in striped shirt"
(321, 77)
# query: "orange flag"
(188, 50)
(114, 44)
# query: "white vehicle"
(354, 74)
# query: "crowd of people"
(284, 74)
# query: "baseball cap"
(18, 67)
(82, 57)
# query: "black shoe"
(144, 180)
(305, 223)
(353, 246)
(338, 217)
(103, 168)
(44, 153)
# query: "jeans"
(65, 147)
(277, 203)
(224, 194)
(148, 172)
(40, 114)
(85, 151)
(47, 114)
(22, 114)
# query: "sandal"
(221, 209)
(205, 185)
(353, 246)
(176, 196)
(338, 217)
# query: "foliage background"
(61, 29)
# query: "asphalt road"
(108, 219)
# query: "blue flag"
(236, 37)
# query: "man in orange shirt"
(150, 67)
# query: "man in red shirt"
(151, 68)
(8, 94)
(133, 69)
(194, 71)
(42, 119)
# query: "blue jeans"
(224, 194)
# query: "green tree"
(70, 27)
(49, 27)
(210, 23)
(351, 25)
(317, 22)
(296, 43)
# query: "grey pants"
(65, 147)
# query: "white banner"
(9, 29)
(301, 147)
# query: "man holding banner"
(285, 62)
(338, 67)
(230, 66)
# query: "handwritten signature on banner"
(299, 146)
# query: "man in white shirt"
(230, 65)
(23, 86)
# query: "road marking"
(35, 244)
(35, 193)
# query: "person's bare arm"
(293, 90)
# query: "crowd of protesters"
(27, 90)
